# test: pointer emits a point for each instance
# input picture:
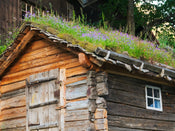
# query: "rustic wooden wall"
(126, 106)
(10, 16)
(41, 56)
(12, 12)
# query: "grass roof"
(90, 38)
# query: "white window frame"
(152, 97)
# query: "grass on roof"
(90, 38)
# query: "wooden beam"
(16, 51)
(86, 62)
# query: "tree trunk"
(130, 18)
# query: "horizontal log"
(78, 126)
(76, 105)
(126, 98)
(15, 129)
(13, 94)
(137, 123)
(13, 113)
(43, 76)
(24, 74)
(18, 101)
(135, 112)
(77, 115)
(39, 44)
(32, 69)
(14, 123)
(113, 128)
(76, 91)
(77, 83)
(76, 71)
(75, 79)
(40, 53)
(39, 62)
(12, 87)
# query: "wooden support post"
(62, 98)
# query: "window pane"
(149, 92)
(157, 103)
(150, 102)
(156, 93)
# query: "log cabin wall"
(40, 56)
(126, 106)
(13, 12)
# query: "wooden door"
(45, 101)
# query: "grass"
(90, 38)
(9, 39)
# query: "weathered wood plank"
(75, 79)
(76, 92)
(12, 87)
(43, 76)
(13, 94)
(37, 45)
(100, 113)
(19, 101)
(76, 71)
(62, 78)
(39, 53)
(24, 74)
(13, 113)
(112, 128)
(126, 98)
(74, 84)
(28, 70)
(78, 126)
(77, 115)
(101, 124)
(39, 62)
(137, 123)
(82, 104)
(131, 111)
(15, 129)
(14, 123)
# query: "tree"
(130, 17)
(146, 15)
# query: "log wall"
(40, 56)
(126, 106)
(13, 11)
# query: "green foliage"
(147, 14)
(90, 38)
(9, 39)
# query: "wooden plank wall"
(39, 57)
(10, 17)
(127, 106)
(59, 6)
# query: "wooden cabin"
(13, 13)
(49, 84)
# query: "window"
(153, 98)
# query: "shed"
(49, 84)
